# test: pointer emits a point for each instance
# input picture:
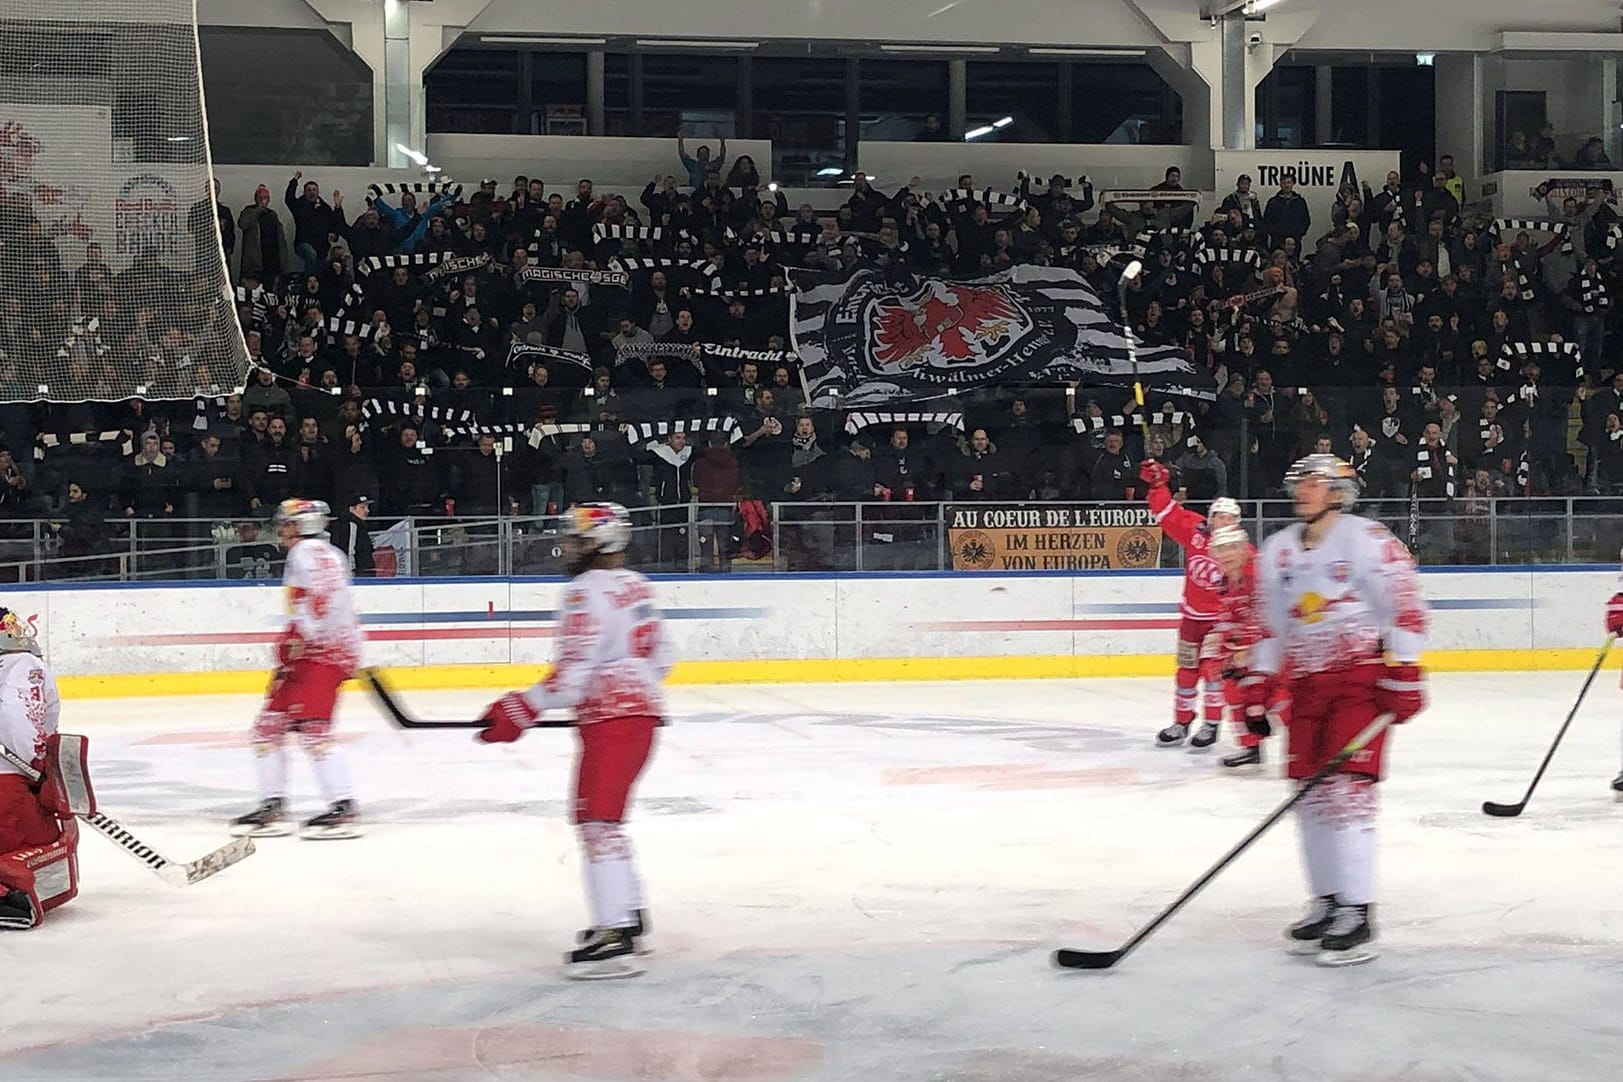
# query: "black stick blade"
(397, 713)
(1502, 811)
(1070, 959)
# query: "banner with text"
(1319, 175)
(1012, 537)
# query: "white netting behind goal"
(112, 280)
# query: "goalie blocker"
(39, 837)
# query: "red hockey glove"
(507, 719)
(289, 648)
(1254, 692)
(1401, 692)
(1153, 473)
(1614, 614)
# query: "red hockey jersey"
(1202, 575)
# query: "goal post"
(113, 281)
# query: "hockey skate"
(342, 820)
(1204, 737)
(609, 954)
(1304, 936)
(269, 820)
(1172, 736)
(636, 931)
(1346, 943)
(16, 911)
(1617, 788)
(1244, 761)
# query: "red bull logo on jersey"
(1311, 608)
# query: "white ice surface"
(846, 882)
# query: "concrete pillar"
(1323, 113)
(1462, 124)
(1239, 108)
(594, 93)
(1606, 99)
(398, 91)
(957, 98)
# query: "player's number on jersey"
(645, 639)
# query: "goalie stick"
(1066, 958)
(400, 717)
(176, 875)
(1510, 811)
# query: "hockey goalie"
(39, 837)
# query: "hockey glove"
(1154, 474)
(1401, 692)
(506, 719)
(1254, 692)
(1614, 614)
(1257, 723)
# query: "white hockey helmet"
(1224, 505)
(16, 637)
(606, 527)
(1336, 472)
(308, 517)
(1224, 536)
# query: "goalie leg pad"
(66, 790)
(24, 821)
(44, 877)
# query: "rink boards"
(136, 639)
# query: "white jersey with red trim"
(612, 651)
(1340, 603)
(321, 604)
(29, 708)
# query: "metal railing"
(692, 538)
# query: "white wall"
(1318, 174)
(1512, 190)
(91, 631)
(561, 160)
(938, 165)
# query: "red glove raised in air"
(506, 719)
(1614, 614)
(1153, 473)
(1401, 692)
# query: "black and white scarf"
(1593, 294)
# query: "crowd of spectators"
(1413, 337)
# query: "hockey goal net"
(112, 280)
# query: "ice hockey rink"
(845, 882)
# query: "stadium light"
(976, 133)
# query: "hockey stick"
(1510, 811)
(176, 875)
(1065, 958)
(400, 717)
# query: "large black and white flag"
(881, 337)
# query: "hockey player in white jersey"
(1344, 620)
(39, 838)
(318, 651)
(611, 660)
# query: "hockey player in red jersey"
(1229, 645)
(1343, 618)
(1202, 579)
(612, 659)
(319, 649)
(39, 838)
(1614, 625)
